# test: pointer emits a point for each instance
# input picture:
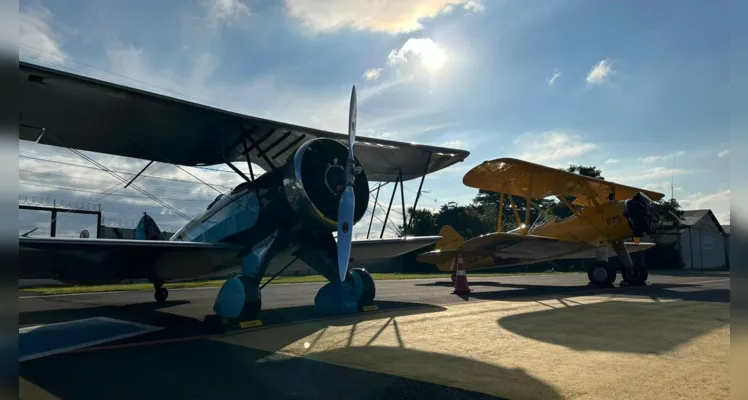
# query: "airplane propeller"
(347, 199)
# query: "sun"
(433, 59)
(432, 56)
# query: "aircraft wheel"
(636, 276)
(453, 277)
(367, 282)
(601, 273)
(161, 295)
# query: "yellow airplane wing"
(507, 247)
(526, 179)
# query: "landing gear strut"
(601, 273)
(634, 275)
(161, 293)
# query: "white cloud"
(647, 174)
(599, 73)
(554, 148)
(37, 37)
(474, 6)
(718, 202)
(651, 159)
(556, 74)
(723, 153)
(226, 11)
(392, 16)
(611, 161)
(431, 56)
(455, 144)
(372, 73)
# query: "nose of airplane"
(641, 214)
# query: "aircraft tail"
(450, 240)
(147, 229)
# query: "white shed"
(702, 241)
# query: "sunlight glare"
(431, 55)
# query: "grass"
(49, 290)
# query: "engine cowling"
(314, 179)
(641, 214)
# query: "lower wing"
(506, 249)
(375, 249)
(503, 249)
(99, 260)
(592, 251)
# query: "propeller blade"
(352, 122)
(347, 204)
(345, 230)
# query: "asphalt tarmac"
(183, 361)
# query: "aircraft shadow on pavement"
(640, 327)
(529, 292)
(145, 312)
(246, 364)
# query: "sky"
(638, 89)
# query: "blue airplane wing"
(102, 260)
(62, 109)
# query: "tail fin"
(450, 240)
(147, 229)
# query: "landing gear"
(633, 275)
(601, 273)
(361, 277)
(161, 293)
(636, 275)
(238, 300)
(347, 297)
(453, 277)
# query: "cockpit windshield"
(219, 197)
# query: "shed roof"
(691, 217)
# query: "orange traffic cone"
(461, 283)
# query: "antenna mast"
(672, 178)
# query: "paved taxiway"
(545, 336)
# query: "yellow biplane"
(604, 216)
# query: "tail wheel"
(367, 288)
(601, 273)
(635, 276)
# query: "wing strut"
(501, 213)
(376, 198)
(238, 172)
(249, 161)
(138, 174)
(262, 153)
(402, 199)
(387, 215)
(420, 186)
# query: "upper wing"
(61, 109)
(506, 246)
(526, 179)
(106, 259)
